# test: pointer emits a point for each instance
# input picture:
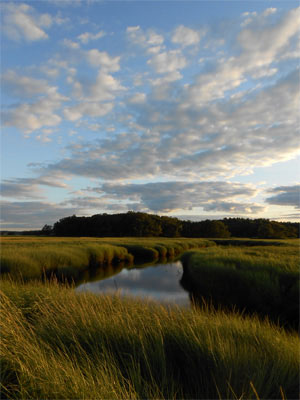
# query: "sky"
(178, 108)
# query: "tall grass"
(67, 260)
(57, 344)
(35, 257)
(259, 279)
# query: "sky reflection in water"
(159, 282)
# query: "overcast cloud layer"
(154, 118)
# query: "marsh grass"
(264, 280)
(69, 258)
(58, 344)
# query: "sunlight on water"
(159, 282)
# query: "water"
(158, 282)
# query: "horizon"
(172, 108)
(190, 218)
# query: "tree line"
(140, 224)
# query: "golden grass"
(57, 344)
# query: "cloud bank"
(168, 121)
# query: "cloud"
(41, 106)
(285, 196)
(173, 196)
(70, 44)
(167, 62)
(91, 109)
(88, 36)
(186, 36)
(20, 189)
(291, 217)
(105, 87)
(102, 59)
(234, 207)
(236, 111)
(28, 188)
(23, 86)
(32, 214)
(22, 22)
(145, 39)
(173, 137)
(92, 204)
(29, 117)
(138, 98)
(261, 43)
(260, 46)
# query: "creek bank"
(249, 289)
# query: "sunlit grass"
(58, 344)
(34, 257)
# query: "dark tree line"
(140, 224)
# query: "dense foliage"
(140, 224)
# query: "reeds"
(263, 280)
(35, 257)
(57, 344)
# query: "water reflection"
(159, 282)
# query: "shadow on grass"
(269, 294)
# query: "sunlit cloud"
(184, 109)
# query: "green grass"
(34, 257)
(264, 279)
(58, 344)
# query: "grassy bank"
(57, 344)
(262, 279)
(35, 257)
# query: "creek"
(160, 282)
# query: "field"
(59, 344)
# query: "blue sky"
(180, 108)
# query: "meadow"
(60, 344)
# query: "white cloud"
(70, 44)
(29, 117)
(88, 36)
(102, 59)
(21, 21)
(161, 83)
(150, 40)
(186, 36)
(87, 109)
(269, 11)
(215, 123)
(180, 138)
(137, 98)
(261, 44)
(104, 88)
(23, 86)
(168, 61)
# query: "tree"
(47, 230)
